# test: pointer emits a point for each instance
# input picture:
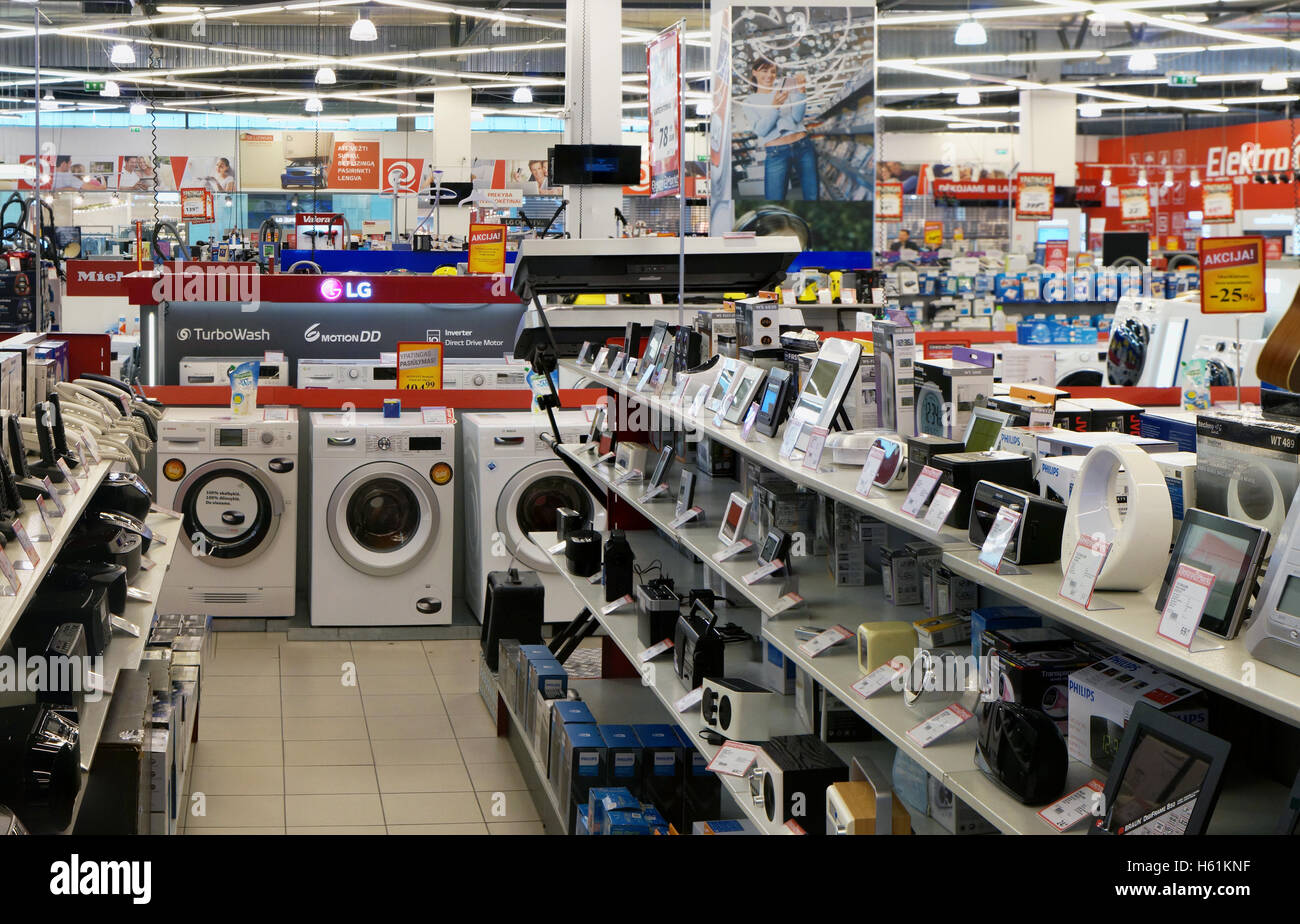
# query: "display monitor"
(1117, 244)
(733, 518)
(1230, 550)
(984, 429)
(595, 164)
(728, 370)
(655, 344)
(825, 385)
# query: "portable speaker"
(514, 607)
(568, 520)
(618, 566)
(582, 552)
(1022, 750)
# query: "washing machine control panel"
(403, 443)
(191, 436)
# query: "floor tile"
(386, 684)
(300, 705)
(236, 666)
(230, 640)
(486, 750)
(508, 805)
(330, 780)
(394, 647)
(241, 753)
(471, 829)
(391, 704)
(423, 778)
(497, 776)
(464, 704)
(382, 663)
(350, 809)
(217, 705)
(316, 649)
(325, 728)
(241, 832)
(238, 812)
(240, 686)
(414, 751)
(452, 663)
(474, 726)
(408, 726)
(326, 753)
(237, 781)
(468, 646)
(306, 685)
(219, 728)
(461, 682)
(431, 808)
(514, 827)
(295, 665)
(345, 831)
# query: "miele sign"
(100, 278)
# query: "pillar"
(593, 99)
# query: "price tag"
(617, 365)
(793, 827)
(787, 296)
(652, 493)
(7, 568)
(600, 359)
(94, 682)
(129, 628)
(679, 391)
(1185, 604)
(557, 548)
(656, 298)
(734, 758)
(582, 353)
(721, 417)
(48, 532)
(1067, 812)
(763, 571)
(920, 491)
(273, 356)
(747, 428)
(824, 297)
(596, 578)
(999, 536)
(135, 593)
(59, 509)
(786, 602)
(1081, 573)
(67, 476)
(615, 605)
(825, 641)
(732, 550)
(601, 460)
(935, 727)
(629, 370)
(275, 414)
(33, 559)
(870, 469)
(698, 404)
(437, 415)
(812, 457)
(880, 678)
(685, 518)
(690, 699)
(645, 378)
(944, 499)
(1042, 416)
(629, 475)
(87, 454)
(792, 429)
(654, 651)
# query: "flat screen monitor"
(1230, 550)
(595, 164)
(1053, 233)
(984, 430)
(825, 385)
(1116, 244)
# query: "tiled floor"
(289, 745)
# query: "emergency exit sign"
(1182, 78)
(93, 86)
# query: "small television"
(595, 164)
(1118, 244)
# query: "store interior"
(664, 418)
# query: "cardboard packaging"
(894, 354)
(946, 391)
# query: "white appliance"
(215, 370)
(1150, 337)
(472, 375)
(1082, 364)
(1228, 356)
(383, 514)
(234, 481)
(347, 373)
(513, 485)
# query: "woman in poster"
(776, 114)
(223, 178)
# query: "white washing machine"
(475, 374)
(513, 485)
(1083, 364)
(1150, 337)
(383, 514)
(234, 480)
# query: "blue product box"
(625, 822)
(580, 825)
(601, 800)
(581, 765)
(929, 283)
(703, 788)
(661, 767)
(528, 652)
(1174, 425)
(658, 824)
(1039, 332)
(911, 783)
(778, 670)
(1000, 617)
(563, 712)
(622, 756)
(548, 678)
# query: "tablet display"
(1230, 550)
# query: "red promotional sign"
(487, 248)
(1034, 195)
(402, 175)
(663, 71)
(47, 171)
(1232, 274)
(1056, 255)
(889, 201)
(102, 278)
(355, 165)
(1134, 204)
(996, 188)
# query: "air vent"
(230, 599)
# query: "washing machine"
(513, 485)
(1080, 365)
(475, 375)
(383, 515)
(1226, 356)
(234, 481)
(206, 370)
(1150, 337)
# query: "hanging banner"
(1217, 201)
(889, 201)
(419, 365)
(1232, 274)
(995, 189)
(1034, 195)
(663, 72)
(933, 234)
(487, 248)
(196, 205)
(1134, 203)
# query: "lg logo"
(332, 290)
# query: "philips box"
(562, 712)
(622, 757)
(1179, 469)
(1103, 695)
(894, 345)
(1170, 423)
(581, 765)
(601, 800)
(999, 617)
(548, 678)
(1058, 442)
(702, 789)
(661, 767)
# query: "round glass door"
(230, 512)
(528, 505)
(382, 518)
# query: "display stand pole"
(1238, 362)
(38, 314)
(681, 177)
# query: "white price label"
(582, 353)
(870, 469)
(747, 428)
(275, 414)
(164, 511)
(557, 548)
(629, 475)
(600, 359)
(698, 404)
(1185, 604)
(273, 356)
(1084, 567)
(25, 541)
(1067, 812)
(437, 415)
(944, 499)
(685, 517)
(825, 641)
(763, 571)
(998, 538)
(67, 475)
(935, 727)
(880, 678)
(617, 365)
(791, 439)
(812, 457)
(732, 550)
(645, 378)
(615, 605)
(786, 602)
(1042, 416)
(679, 391)
(7, 568)
(654, 651)
(601, 460)
(734, 758)
(920, 492)
(129, 628)
(59, 509)
(690, 699)
(721, 417)
(652, 493)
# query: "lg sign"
(332, 290)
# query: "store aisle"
(286, 745)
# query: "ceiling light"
(48, 101)
(115, 200)
(293, 203)
(1273, 82)
(1090, 109)
(1196, 178)
(363, 30)
(230, 200)
(1169, 178)
(122, 53)
(524, 95)
(968, 96)
(1143, 61)
(970, 32)
(314, 104)
(137, 108)
(1142, 177)
(1105, 176)
(111, 89)
(326, 76)
(79, 199)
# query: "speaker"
(515, 607)
(582, 552)
(1022, 750)
(618, 566)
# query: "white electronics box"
(946, 391)
(1060, 442)
(215, 370)
(894, 346)
(756, 322)
(1247, 467)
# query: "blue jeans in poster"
(802, 156)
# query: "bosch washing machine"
(1150, 337)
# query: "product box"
(911, 783)
(508, 657)
(702, 789)
(1035, 673)
(715, 326)
(1102, 697)
(900, 576)
(756, 322)
(655, 819)
(548, 677)
(954, 815)
(1029, 364)
(777, 671)
(1172, 424)
(661, 767)
(1023, 440)
(538, 726)
(1112, 415)
(1057, 476)
(625, 822)
(580, 766)
(730, 826)
(860, 402)
(601, 800)
(1072, 416)
(715, 459)
(951, 593)
(894, 354)
(1247, 467)
(580, 825)
(622, 757)
(988, 618)
(807, 700)
(1058, 442)
(852, 538)
(953, 629)
(946, 391)
(1179, 469)
(562, 712)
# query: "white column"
(1046, 144)
(451, 152)
(593, 97)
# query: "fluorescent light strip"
(887, 20)
(1129, 13)
(474, 13)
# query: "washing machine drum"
(1128, 352)
(383, 518)
(528, 506)
(230, 512)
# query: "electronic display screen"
(592, 164)
(984, 433)
(425, 443)
(889, 464)
(770, 545)
(1289, 602)
(385, 373)
(1158, 791)
(1226, 557)
(734, 511)
(768, 403)
(662, 465)
(227, 436)
(721, 386)
(656, 342)
(816, 388)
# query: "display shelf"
(533, 767)
(1133, 628)
(124, 650)
(12, 608)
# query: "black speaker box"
(515, 607)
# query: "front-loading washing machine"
(1150, 337)
(1081, 365)
(234, 481)
(514, 483)
(383, 514)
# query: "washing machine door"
(527, 505)
(230, 512)
(383, 517)
(1126, 357)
